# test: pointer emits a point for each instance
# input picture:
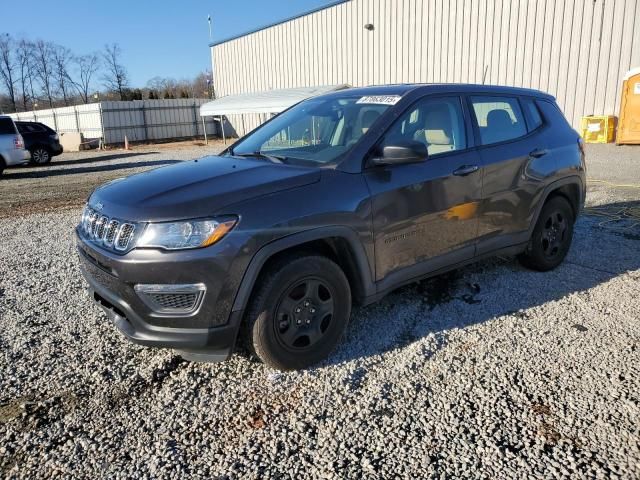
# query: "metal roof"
(271, 101)
(263, 27)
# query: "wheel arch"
(340, 244)
(571, 188)
(36, 146)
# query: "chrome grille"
(109, 232)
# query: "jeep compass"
(336, 201)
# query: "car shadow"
(98, 168)
(100, 158)
(494, 288)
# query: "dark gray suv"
(338, 200)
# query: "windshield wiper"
(268, 156)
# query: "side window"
(535, 120)
(6, 127)
(499, 118)
(438, 123)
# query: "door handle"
(539, 152)
(465, 170)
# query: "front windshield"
(316, 131)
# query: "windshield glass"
(316, 131)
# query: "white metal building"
(577, 50)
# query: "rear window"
(498, 118)
(7, 127)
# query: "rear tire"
(40, 156)
(298, 313)
(552, 236)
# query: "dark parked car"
(340, 199)
(43, 142)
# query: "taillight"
(18, 142)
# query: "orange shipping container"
(629, 118)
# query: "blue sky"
(167, 39)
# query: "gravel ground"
(492, 371)
(69, 179)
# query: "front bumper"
(207, 334)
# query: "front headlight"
(185, 234)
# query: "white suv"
(12, 151)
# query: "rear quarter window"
(534, 119)
(7, 127)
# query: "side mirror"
(401, 153)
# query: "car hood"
(197, 188)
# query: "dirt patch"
(68, 180)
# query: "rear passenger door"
(514, 166)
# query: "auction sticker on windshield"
(380, 99)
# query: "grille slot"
(124, 235)
(110, 234)
(101, 225)
(93, 218)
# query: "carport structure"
(260, 104)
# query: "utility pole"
(210, 83)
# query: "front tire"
(552, 236)
(298, 313)
(40, 156)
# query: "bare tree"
(200, 85)
(87, 66)
(24, 56)
(61, 57)
(115, 78)
(43, 66)
(8, 68)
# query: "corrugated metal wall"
(139, 120)
(142, 120)
(577, 50)
(81, 118)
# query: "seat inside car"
(367, 118)
(437, 131)
(499, 127)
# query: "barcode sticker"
(593, 127)
(380, 99)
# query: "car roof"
(468, 88)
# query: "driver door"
(424, 214)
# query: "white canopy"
(271, 101)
